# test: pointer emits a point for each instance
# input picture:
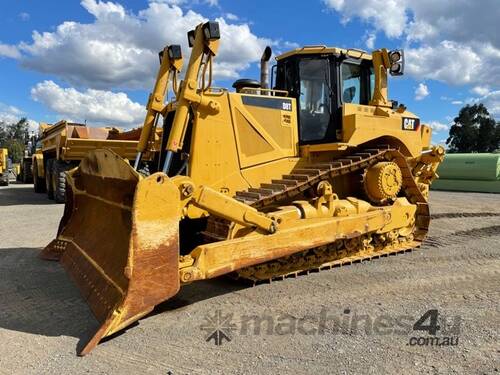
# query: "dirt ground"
(352, 320)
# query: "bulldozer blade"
(119, 240)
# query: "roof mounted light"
(211, 30)
(174, 52)
(395, 56)
(191, 38)
(397, 59)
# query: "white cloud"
(421, 91)
(232, 17)
(119, 48)
(11, 115)
(386, 15)
(449, 62)
(491, 101)
(24, 16)
(455, 41)
(438, 126)
(370, 40)
(480, 90)
(424, 20)
(95, 106)
(9, 51)
(104, 10)
(191, 2)
(455, 63)
(458, 20)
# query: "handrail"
(215, 90)
(360, 51)
(252, 90)
(312, 46)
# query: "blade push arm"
(170, 65)
(215, 203)
(205, 42)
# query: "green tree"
(16, 150)
(487, 137)
(497, 135)
(13, 137)
(3, 133)
(474, 130)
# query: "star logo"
(218, 327)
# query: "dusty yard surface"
(357, 319)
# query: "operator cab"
(322, 79)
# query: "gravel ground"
(356, 319)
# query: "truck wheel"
(59, 180)
(38, 182)
(24, 176)
(48, 179)
(4, 179)
(27, 174)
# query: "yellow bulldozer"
(262, 183)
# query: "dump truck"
(25, 174)
(63, 145)
(262, 183)
(32, 146)
(5, 166)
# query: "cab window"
(314, 99)
(357, 82)
(351, 83)
(372, 82)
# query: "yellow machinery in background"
(321, 170)
(33, 146)
(61, 147)
(4, 167)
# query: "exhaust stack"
(264, 67)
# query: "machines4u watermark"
(431, 328)
(440, 331)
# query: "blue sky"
(96, 60)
